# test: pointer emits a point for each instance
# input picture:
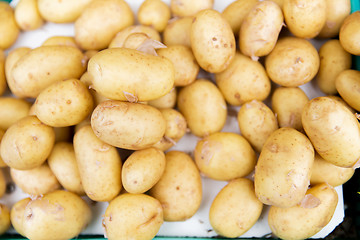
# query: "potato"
(46, 64)
(179, 189)
(2, 184)
(260, 29)
(60, 41)
(349, 33)
(236, 11)
(256, 122)
(305, 18)
(348, 85)
(136, 40)
(212, 41)
(325, 172)
(64, 103)
(185, 65)
(293, 62)
(60, 214)
(151, 76)
(2, 73)
(287, 104)
(166, 101)
(2, 163)
(27, 15)
(235, 208)
(62, 162)
(333, 60)
(279, 2)
(12, 110)
(12, 58)
(99, 165)
(4, 218)
(177, 32)
(341, 101)
(224, 156)
(203, 107)
(27, 143)
(336, 12)
(17, 214)
(306, 219)
(133, 216)
(8, 28)
(36, 181)
(244, 80)
(333, 130)
(154, 13)
(283, 170)
(185, 8)
(100, 21)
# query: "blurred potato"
(348, 85)
(349, 33)
(185, 8)
(154, 13)
(27, 15)
(166, 101)
(177, 32)
(60, 41)
(12, 110)
(8, 28)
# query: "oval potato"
(154, 13)
(166, 101)
(178, 31)
(349, 33)
(27, 15)
(60, 41)
(11, 59)
(8, 27)
(348, 85)
(2, 73)
(12, 110)
(185, 8)
(17, 215)
(4, 218)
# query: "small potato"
(135, 40)
(17, 215)
(283, 170)
(203, 107)
(2, 163)
(27, 143)
(27, 15)
(185, 65)
(4, 218)
(2, 183)
(154, 13)
(177, 32)
(12, 110)
(60, 214)
(307, 218)
(99, 165)
(179, 189)
(305, 18)
(212, 41)
(185, 8)
(12, 58)
(133, 216)
(166, 101)
(325, 172)
(64, 103)
(350, 32)
(62, 162)
(60, 41)
(256, 122)
(333, 60)
(336, 12)
(287, 104)
(243, 81)
(333, 130)
(8, 28)
(151, 76)
(348, 85)
(224, 156)
(235, 208)
(142, 170)
(36, 181)
(100, 21)
(293, 62)
(260, 29)
(2, 73)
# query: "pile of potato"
(78, 102)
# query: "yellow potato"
(333, 60)
(60, 41)
(305, 18)
(4, 218)
(17, 214)
(293, 62)
(12, 58)
(99, 165)
(212, 41)
(185, 8)
(243, 81)
(333, 130)
(100, 21)
(348, 85)
(235, 208)
(150, 76)
(306, 219)
(62, 162)
(279, 2)
(135, 40)
(166, 101)
(133, 216)
(12, 110)
(27, 15)
(349, 33)
(154, 13)
(36, 181)
(283, 170)
(2, 183)
(64, 103)
(2, 73)
(46, 64)
(27, 143)
(203, 107)
(260, 29)
(177, 32)
(336, 12)
(256, 122)
(8, 28)
(2, 163)
(287, 104)
(224, 156)
(340, 100)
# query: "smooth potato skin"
(348, 85)
(178, 32)
(154, 13)
(166, 101)
(60, 41)
(27, 15)
(349, 33)
(12, 110)
(2, 73)
(17, 215)
(4, 219)
(8, 27)
(2, 163)
(11, 59)
(185, 8)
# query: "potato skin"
(166, 101)
(154, 13)
(178, 31)
(349, 33)
(2, 163)
(12, 110)
(333, 130)
(348, 85)
(282, 174)
(235, 208)
(2, 183)
(2, 73)
(17, 214)
(27, 15)
(60, 41)
(8, 27)
(11, 59)
(4, 219)
(185, 8)
(212, 41)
